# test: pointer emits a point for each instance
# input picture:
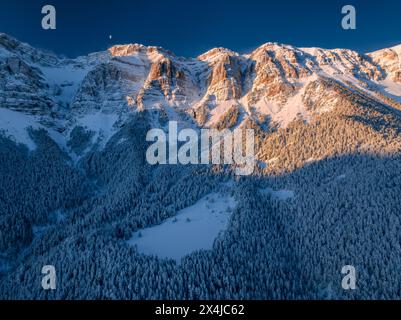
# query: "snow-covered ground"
(291, 110)
(67, 78)
(15, 125)
(390, 88)
(102, 124)
(4, 266)
(193, 228)
(279, 194)
(341, 177)
(219, 110)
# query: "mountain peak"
(275, 46)
(390, 61)
(396, 48)
(136, 48)
(9, 43)
(216, 52)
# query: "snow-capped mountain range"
(271, 86)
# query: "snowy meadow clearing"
(193, 228)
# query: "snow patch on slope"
(293, 109)
(15, 125)
(283, 115)
(218, 111)
(282, 195)
(67, 78)
(392, 88)
(102, 124)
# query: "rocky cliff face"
(274, 83)
(22, 87)
(390, 62)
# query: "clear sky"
(190, 27)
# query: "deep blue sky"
(190, 27)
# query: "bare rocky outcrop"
(390, 62)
